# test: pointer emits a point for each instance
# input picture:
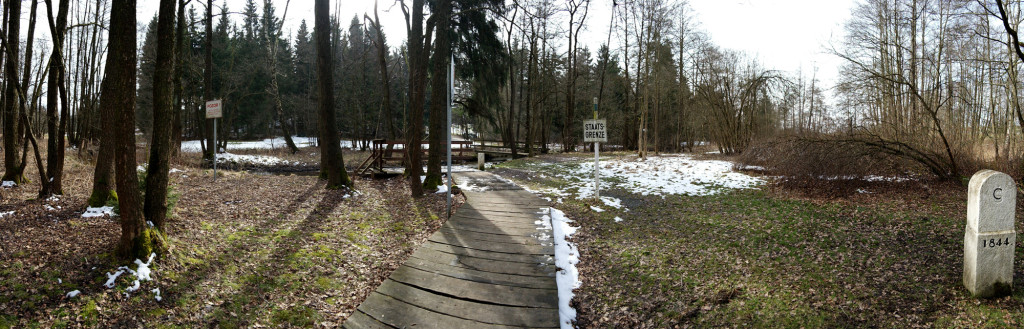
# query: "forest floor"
(252, 249)
(658, 253)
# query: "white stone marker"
(989, 238)
(480, 161)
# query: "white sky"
(786, 35)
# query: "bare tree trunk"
(330, 144)
(382, 62)
(179, 50)
(419, 50)
(55, 88)
(208, 82)
(119, 95)
(439, 94)
(155, 207)
(14, 170)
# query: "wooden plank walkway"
(490, 266)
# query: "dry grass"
(248, 250)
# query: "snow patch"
(8, 184)
(157, 292)
(612, 202)
(597, 209)
(566, 258)
(141, 273)
(6, 213)
(73, 293)
(98, 212)
(658, 175)
(261, 160)
(175, 170)
(618, 219)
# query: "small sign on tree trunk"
(213, 109)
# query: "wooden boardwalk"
(490, 266)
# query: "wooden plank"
(399, 314)
(521, 224)
(476, 291)
(467, 274)
(485, 313)
(503, 209)
(542, 267)
(489, 227)
(512, 248)
(487, 213)
(463, 251)
(359, 320)
(539, 238)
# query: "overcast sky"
(787, 35)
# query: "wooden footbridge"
(391, 154)
(490, 266)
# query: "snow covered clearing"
(265, 144)
(258, 160)
(566, 258)
(658, 175)
(98, 212)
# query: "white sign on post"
(595, 131)
(213, 109)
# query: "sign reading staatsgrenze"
(213, 109)
(595, 131)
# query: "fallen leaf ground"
(790, 254)
(249, 250)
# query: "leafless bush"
(824, 156)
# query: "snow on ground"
(260, 160)
(8, 184)
(6, 213)
(73, 293)
(618, 219)
(175, 170)
(266, 144)
(142, 273)
(612, 202)
(658, 175)
(597, 209)
(870, 178)
(566, 258)
(98, 212)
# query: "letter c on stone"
(997, 193)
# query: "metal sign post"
(595, 131)
(214, 111)
(451, 91)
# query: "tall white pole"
(451, 90)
